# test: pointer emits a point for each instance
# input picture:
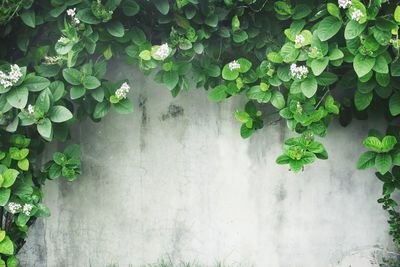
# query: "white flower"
(298, 72)
(8, 80)
(71, 12)
(76, 21)
(234, 65)
(31, 109)
(123, 90)
(27, 208)
(14, 207)
(356, 15)
(163, 51)
(344, 3)
(63, 40)
(15, 73)
(299, 40)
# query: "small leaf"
(60, 114)
(115, 28)
(383, 162)
(218, 93)
(309, 87)
(366, 160)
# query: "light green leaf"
(72, 76)
(383, 162)
(394, 104)
(218, 93)
(353, 29)
(309, 87)
(328, 28)
(91, 82)
(7, 246)
(60, 114)
(9, 177)
(319, 65)
(35, 83)
(124, 106)
(45, 128)
(373, 143)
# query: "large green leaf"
(7, 246)
(383, 162)
(309, 87)
(18, 97)
(328, 28)
(115, 28)
(354, 29)
(124, 106)
(35, 83)
(45, 128)
(256, 93)
(28, 17)
(60, 114)
(4, 196)
(72, 76)
(363, 64)
(9, 177)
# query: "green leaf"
(86, 16)
(4, 196)
(171, 79)
(395, 68)
(115, 28)
(362, 101)
(218, 93)
(60, 114)
(289, 52)
(18, 97)
(72, 76)
(43, 101)
(256, 93)
(211, 20)
(363, 64)
(130, 8)
(388, 143)
(366, 160)
(101, 109)
(278, 100)
(397, 14)
(383, 162)
(394, 104)
(381, 66)
(9, 177)
(77, 92)
(309, 87)
(28, 17)
(326, 78)
(162, 6)
(23, 164)
(333, 10)
(328, 28)
(228, 74)
(275, 57)
(246, 132)
(45, 128)
(35, 83)
(245, 65)
(373, 143)
(353, 29)
(319, 65)
(91, 82)
(7, 246)
(124, 106)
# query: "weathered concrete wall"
(175, 180)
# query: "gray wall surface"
(175, 180)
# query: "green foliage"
(310, 60)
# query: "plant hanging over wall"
(310, 60)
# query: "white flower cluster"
(52, 60)
(356, 15)
(63, 40)
(298, 72)
(72, 12)
(299, 40)
(14, 207)
(234, 65)
(163, 51)
(27, 208)
(344, 3)
(8, 80)
(123, 90)
(31, 109)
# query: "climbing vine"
(312, 61)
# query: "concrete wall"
(175, 180)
